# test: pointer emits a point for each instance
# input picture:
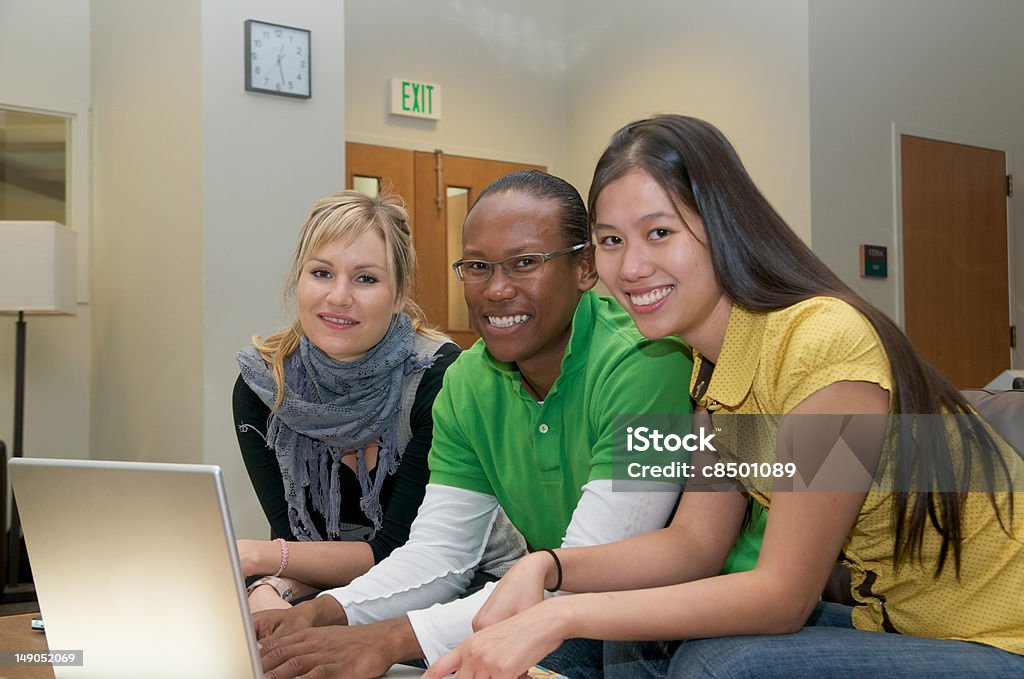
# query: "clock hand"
(280, 67)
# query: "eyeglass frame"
(542, 256)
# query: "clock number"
(298, 50)
(258, 42)
(266, 34)
(290, 85)
(277, 32)
(252, 56)
(257, 71)
(298, 76)
(302, 64)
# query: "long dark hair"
(764, 266)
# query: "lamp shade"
(37, 267)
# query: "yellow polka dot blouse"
(772, 361)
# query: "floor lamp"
(37, 276)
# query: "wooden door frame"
(896, 261)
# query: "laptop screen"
(135, 566)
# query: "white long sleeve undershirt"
(446, 542)
(601, 516)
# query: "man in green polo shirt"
(524, 423)
(535, 452)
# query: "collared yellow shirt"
(772, 361)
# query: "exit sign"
(416, 99)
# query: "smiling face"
(344, 297)
(526, 321)
(656, 267)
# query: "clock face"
(277, 59)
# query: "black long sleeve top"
(401, 493)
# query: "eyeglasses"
(527, 265)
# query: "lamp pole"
(14, 537)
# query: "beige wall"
(742, 65)
(147, 243)
(943, 66)
(549, 82)
(58, 367)
(500, 65)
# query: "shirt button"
(543, 429)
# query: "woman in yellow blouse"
(922, 514)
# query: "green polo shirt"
(491, 436)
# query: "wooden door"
(955, 258)
(369, 167)
(438, 190)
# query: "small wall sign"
(874, 261)
(416, 99)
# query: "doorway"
(956, 257)
(438, 190)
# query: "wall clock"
(277, 60)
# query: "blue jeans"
(589, 659)
(828, 646)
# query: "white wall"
(741, 65)
(44, 66)
(500, 66)
(941, 65)
(266, 160)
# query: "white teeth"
(651, 297)
(507, 321)
(337, 321)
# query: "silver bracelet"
(283, 589)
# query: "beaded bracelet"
(558, 567)
(284, 556)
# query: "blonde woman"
(333, 414)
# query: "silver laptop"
(136, 568)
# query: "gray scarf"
(331, 407)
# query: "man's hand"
(340, 652)
(323, 610)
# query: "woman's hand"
(266, 598)
(522, 587)
(259, 557)
(506, 649)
